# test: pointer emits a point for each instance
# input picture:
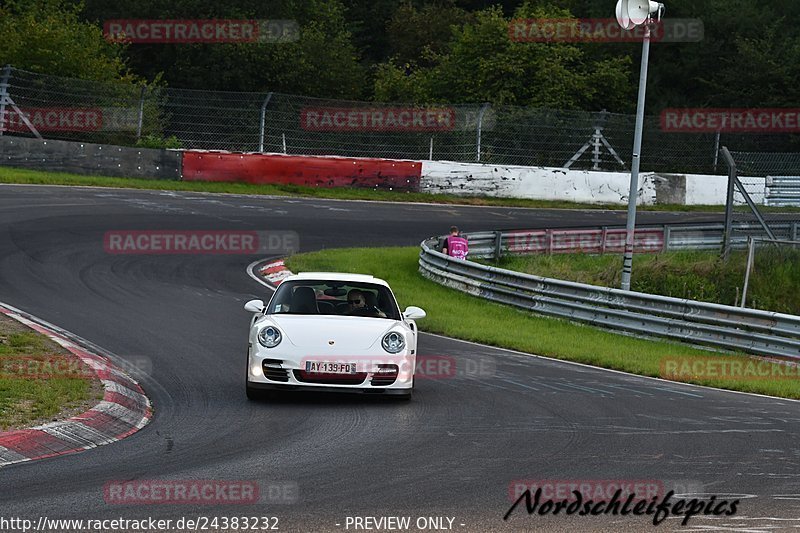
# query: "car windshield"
(342, 298)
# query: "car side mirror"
(413, 313)
(254, 306)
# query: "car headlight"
(269, 337)
(393, 342)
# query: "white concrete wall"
(546, 183)
(713, 190)
(706, 190)
(542, 183)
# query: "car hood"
(312, 332)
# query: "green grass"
(39, 381)
(458, 315)
(696, 275)
(24, 176)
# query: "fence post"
(751, 244)
(283, 136)
(4, 80)
(141, 113)
(498, 245)
(603, 237)
(263, 119)
(716, 151)
(484, 107)
(726, 232)
(667, 236)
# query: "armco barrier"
(783, 191)
(611, 239)
(309, 171)
(719, 326)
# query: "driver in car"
(357, 305)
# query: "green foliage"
(28, 393)
(156, 141)
(417, 36)
(694, 275)
(49, 37)
(483, 64)
(426, 51)
(322, 62)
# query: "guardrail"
(783, 191)
(648, 239)
(709, 324)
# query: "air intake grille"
(273, 372)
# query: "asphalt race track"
(453, 451)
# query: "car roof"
(337, 276)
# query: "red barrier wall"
(301, 170)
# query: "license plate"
(324, 367)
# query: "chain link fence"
(763, 209)
(125, 114)
(772, 181)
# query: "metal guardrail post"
(484, 107)
(751, 244)
(4, 84)
(141, 113)
(498, 245)
(263, 120)
(726, 233)
(603, 235)
(667, 236)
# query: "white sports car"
(332, 332)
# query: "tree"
(322, 62)
(49, 37)
(482, 64)
(416, 34)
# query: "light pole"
(632, 13)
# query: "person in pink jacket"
(455, 245)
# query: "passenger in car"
(372, 303)
(304, 301)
